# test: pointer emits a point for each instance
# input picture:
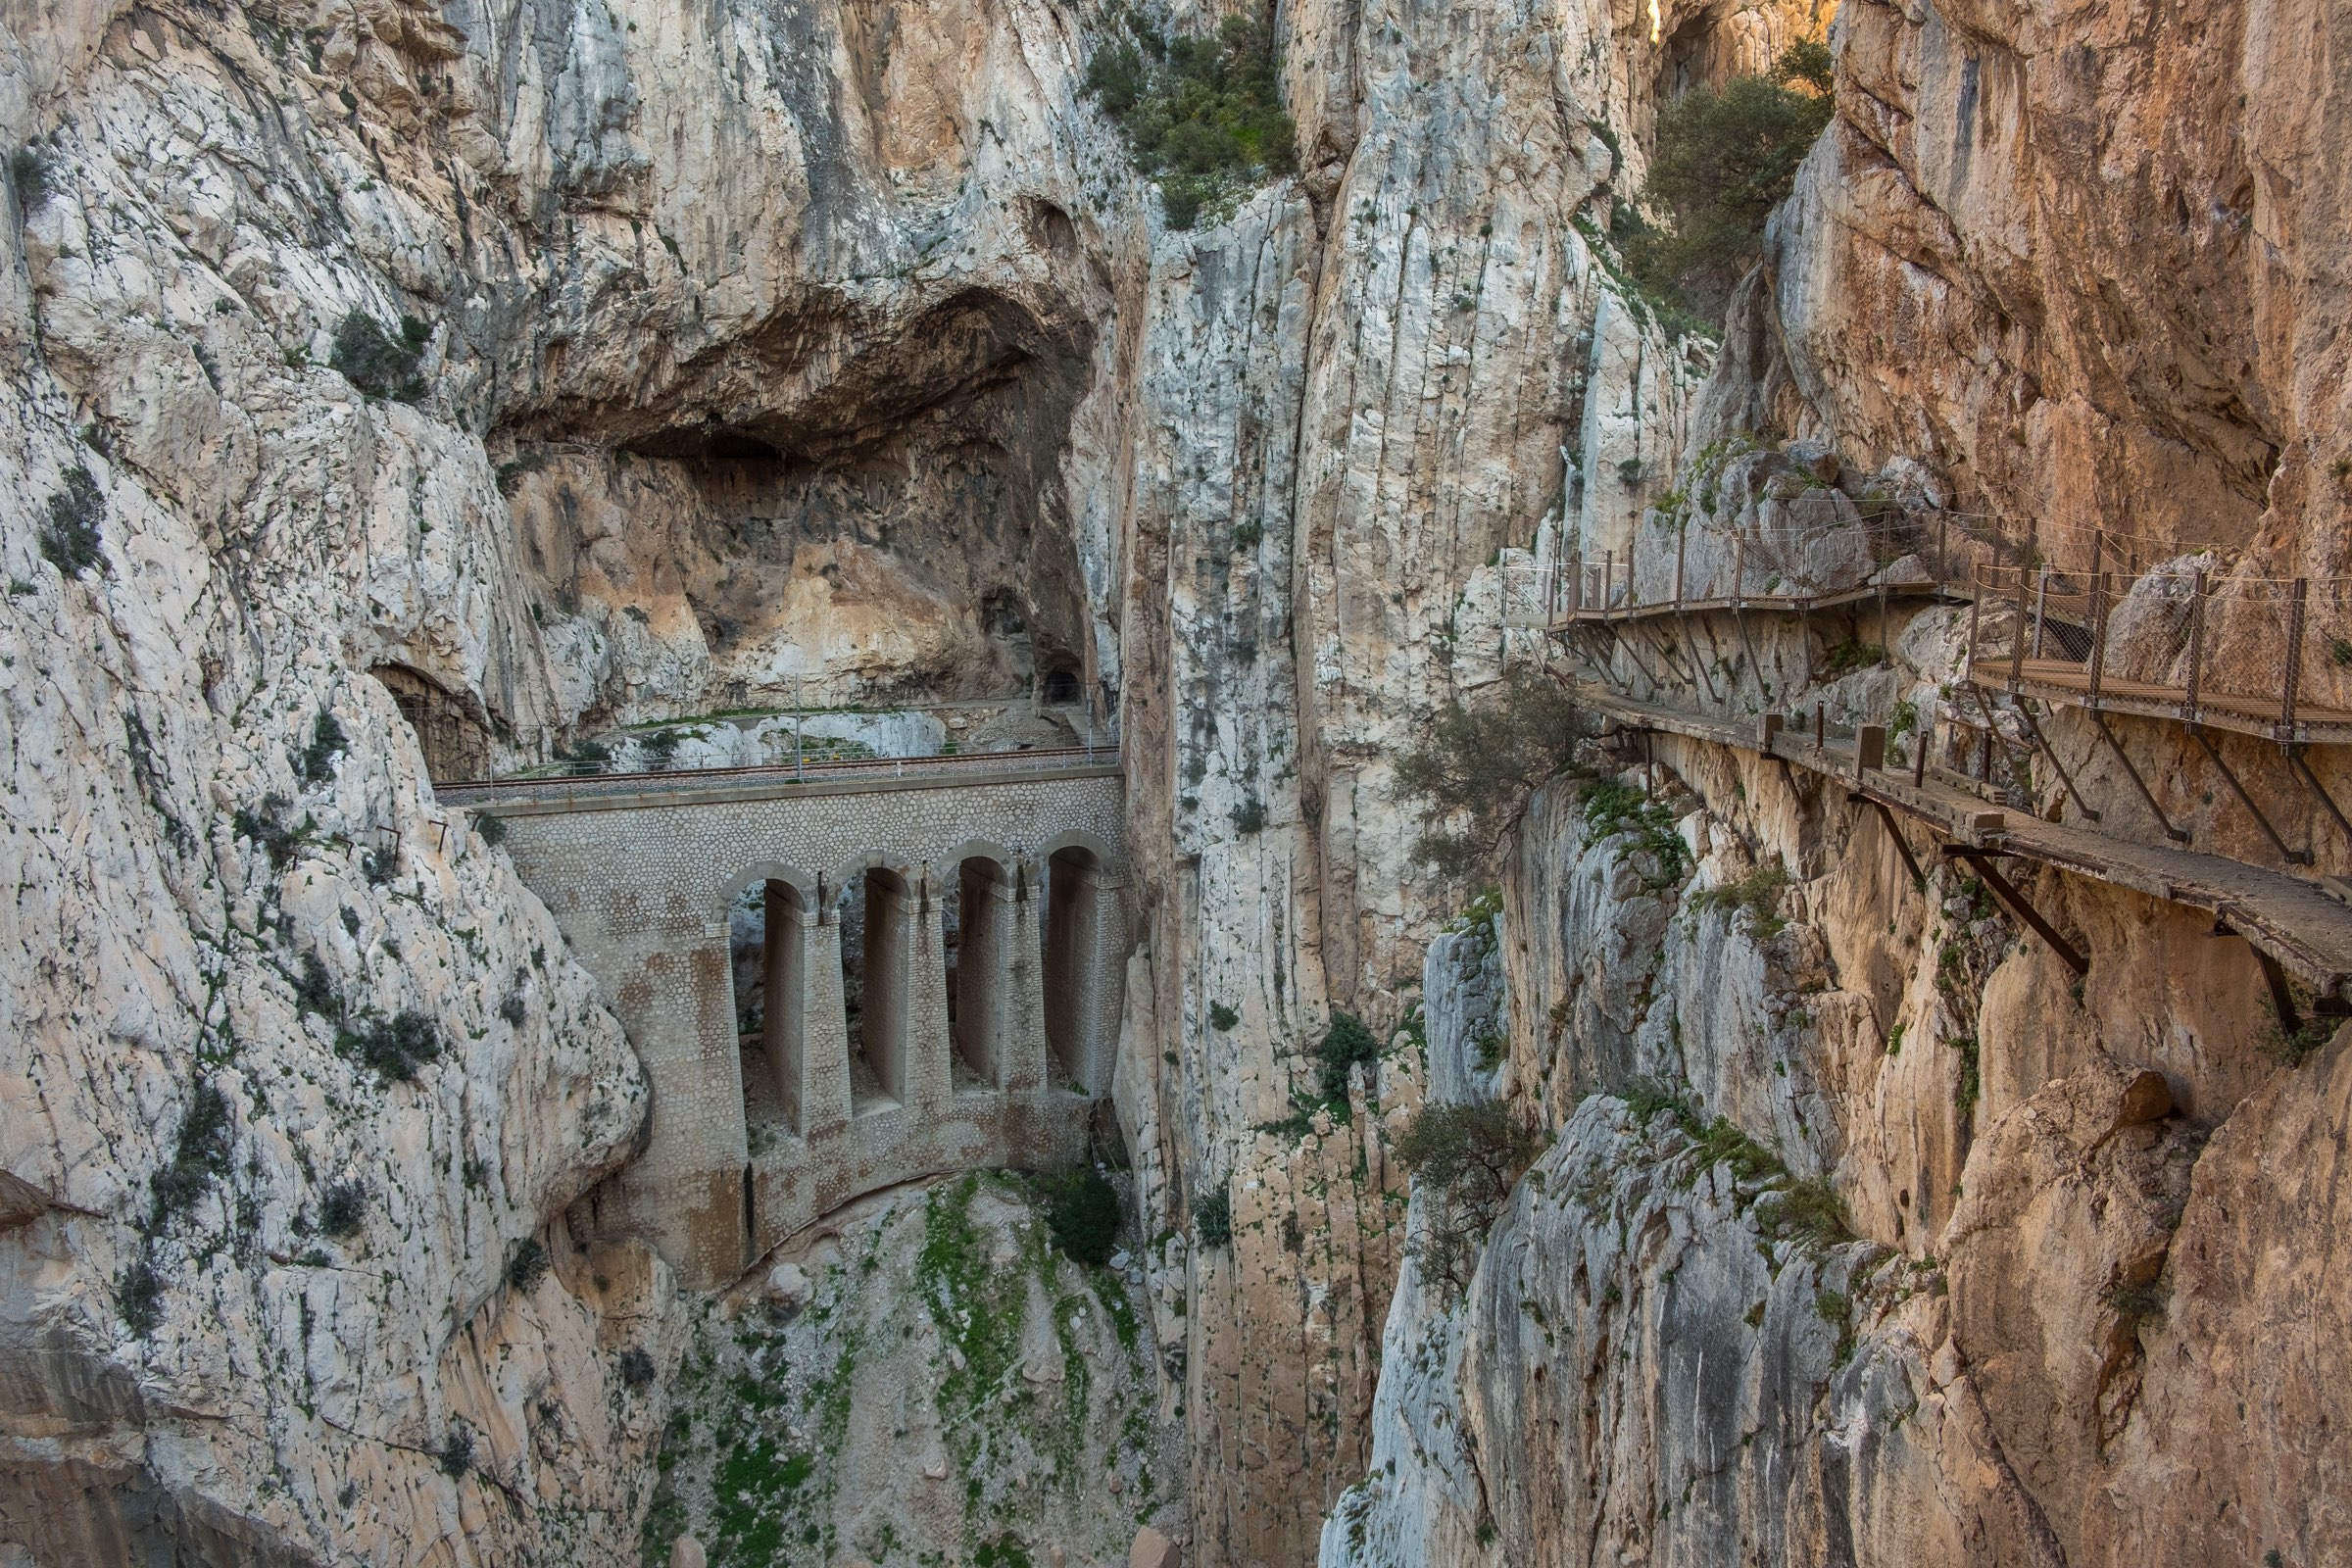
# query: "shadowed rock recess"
(718, 786)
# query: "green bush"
(1723, 161)
(201, 1152)
(1082, 1213)
(659, 747)
(526, 1266)
(457, 1454)
(31, 170)
(1221, 1017)
(1612, 806)
(1204, 116)
(1808, 1211)
(315, 990)
(1345, 1044)
(395, 1047)
(1758, 893)
(381, 364)
(1213, 1218)
(139, 1296)
(1250, 817)
(1480, 765)
(636, 1367)
(493, 829)
(316, 760)
(70, 538)
(1465, 1158)
(342, 1208)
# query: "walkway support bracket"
(2213, 753)
(2025, 710)
(2099, 722)
(2006, 891)
(1902, 846)
(2302, 770)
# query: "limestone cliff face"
(2012, 1354)
(2077, 267)
(2052, 271)
(301, 1079)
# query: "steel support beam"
(2213, 753)
(2007, 891)
(1902, 846)
(2099, 722)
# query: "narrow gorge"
(1036, 783)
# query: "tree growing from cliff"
(1465, 1160)
(1725, 158)
(1204, 116)
(1472, 771)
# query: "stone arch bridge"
(974, 1024)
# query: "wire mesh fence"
(1688, 568)
(2269, 655)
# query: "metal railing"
(2261, 656)
(1758, 568)
(460, 751)
(1040, 760)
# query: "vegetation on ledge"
(1724, 159)
(1202, 116)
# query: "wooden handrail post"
(1608, 579)
(2294, 658)
(1976, 613)
(1738, 568)
(2196, 644)
(2042, 607)
(1682, 538)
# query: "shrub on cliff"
(1202, 116)
(1465, 1158)
(1213, 1218)
(395, 1046)
(1082, 1213)
(1478, 766)
(70, 538)
(380, 363)
(1724, 159)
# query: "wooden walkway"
(2292, 921)
(2058, 680)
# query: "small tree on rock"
(1466, 1158)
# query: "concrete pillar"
(679, 1011)
(824, 1031)
(784, 982)
(1024, 1059)
(930, 1080)
(984, 910)
(888, 1014)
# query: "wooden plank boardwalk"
(2295, 921)
(2059, 680)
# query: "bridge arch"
(983, 910)
(756, 1129)
(1079, 928)
(772, 914)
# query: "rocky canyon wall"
(1865, 1231)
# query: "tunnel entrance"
(455, 742)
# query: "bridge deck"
(2308, 932)
(2060, 680)
(525, 795)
